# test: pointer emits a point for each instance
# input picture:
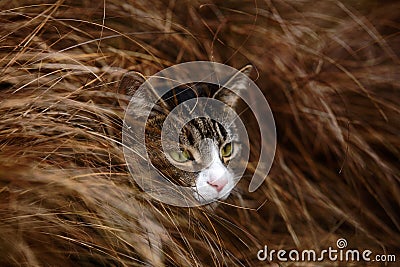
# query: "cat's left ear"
(128, 88)
(235, 84)
(129, 84)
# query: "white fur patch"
(204, 191)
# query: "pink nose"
(219, 183)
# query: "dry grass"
(330, 71)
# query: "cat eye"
(180, 156)
(226, 151)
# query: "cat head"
(206, 147)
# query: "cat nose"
(218, 182)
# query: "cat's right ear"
(235, 84)
(129, 84)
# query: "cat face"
(201, 162)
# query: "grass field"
(330, 71)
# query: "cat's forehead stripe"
(207, 128)
(218, 129)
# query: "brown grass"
(330, 71)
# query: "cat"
(201, 166)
